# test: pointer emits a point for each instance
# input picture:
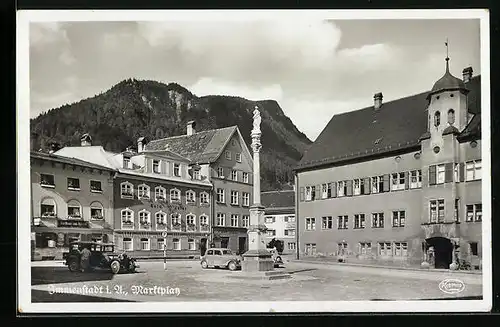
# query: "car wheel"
(115, 267)
(73, 265)
(232, 266)
(204, 264)
(279, 260)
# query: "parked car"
(220, 257)
(278, 261)
(102, 257)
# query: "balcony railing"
(191, 228)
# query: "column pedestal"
(257, 258)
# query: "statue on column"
(256, 121)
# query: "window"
(221, 195)
(220, 172)
(190, 221)
(177, 244)
(359, 221)
(292, 246)
(398, 218)
(245, 221)
(228, 155)
(203, 220)
(190, 196)
(143, 192)
(196, 174)
(400, 249)
(378, 220)
(457, 210)
(359, 186)
(73, 184)
(74, 210)
(175, 195)
(437, 119)
(415, 179)
(238, 157)
(308, 193)
(177, 170)
(156, 166)
(234, 175)
(47, 180)
(161, 218)
(246, 199)
(96, 211)
(324, 191)
(160, 193)
(126, 162)
(342, 222)
(342, 248)
(95, 186)
(271, 232)
(145, 244)
(234, 198)
(234, 142)
(365, 248)
(440, 174)
(245, 177)
(385, 249)
(175, 219)
(161, 244)
(191, 244)
(474, 212)
(234, 220)
(126, 190)
(310, 223)
(127, 244)
(144, 218)
(398, 181)
(327, 222)
(310, 248)
(270, 219)
(473, 170)
(436, 211)
(451, 116)
(221, 218)
(127, 217)
(377, 184)
(341, 188)
(289, 219)
(473, 248)
(291, 232)
(48, 207)
(204, 198)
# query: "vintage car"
(220, 257)
(102, 257)
(276, 258)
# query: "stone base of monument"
(258, 264)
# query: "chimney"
(190, 127)
(141, 144)
(54, 146)
(467, 74)
(86, 140)
(377, 100)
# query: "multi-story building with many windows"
(397, 182)
(226, 162)
(280, 218)
(154, 192)
(71, 200)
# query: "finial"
(447, 57)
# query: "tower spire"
(447, 56)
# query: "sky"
(313, 69)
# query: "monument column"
(257, 258)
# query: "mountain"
(133, 108)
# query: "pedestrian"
(85, 259)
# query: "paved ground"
(186, 281)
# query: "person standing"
(85, 259)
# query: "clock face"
(437, 149)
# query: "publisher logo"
(452, 286)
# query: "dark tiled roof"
(168, 153)
(278, 199)
(397, 125)
(201, 147)
(447, 82)
(67, 160)
(472, 130)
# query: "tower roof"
(448, 82)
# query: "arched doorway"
(443, 251)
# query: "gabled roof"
(397, 125)
(278, 199)
(66, 160)
(168, 154)
(201, 147)
(94, 154)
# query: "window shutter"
(334, 189)
(368, 187)
(386, 182)
(349, 187)
(461, 169)
(163, 167)
(150, 165)
(448, 172)
(407, 180)
(432, 175)
(302, 194)
(319, 192)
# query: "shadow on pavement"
(44, 296)
(301, 270)
(52, 275)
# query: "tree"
(278, 244)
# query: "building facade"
(280, 218)
(398, 182)
(160, 202)
(226, 162)
(71, 200)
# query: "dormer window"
(196, 174)
(177, 170)
(437, 119)
(156, 166)
(451, 116)
(126, 162)
(238, 157)
(228, 155)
